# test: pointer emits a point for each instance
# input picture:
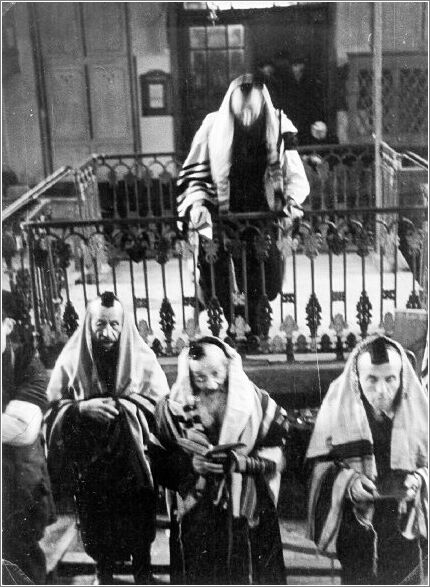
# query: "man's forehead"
(97, 310)
(213, 357)
(365, 364)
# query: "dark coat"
(27, 506)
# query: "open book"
(209, 451)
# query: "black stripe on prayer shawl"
(352, 449)
(197, 187)
(191, 165)
(168, 422)
(203, 174)
(198, 168)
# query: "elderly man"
(104, 389)
(228, 436)
(368, 495)
(27, 505)
(242, 159)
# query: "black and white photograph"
(214, 293)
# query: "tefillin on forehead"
(108, 299)
(197, 350)
(378, 350)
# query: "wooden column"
(377, 97)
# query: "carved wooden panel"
(110, 99)
(60, 29)
(404, 97)
(104, 27)
(67, 102)
(86, 78)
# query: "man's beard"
(106, 346)
(211, 406)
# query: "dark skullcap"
(9, 307)
(378, 350)
(108, 299)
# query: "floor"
(304, 566)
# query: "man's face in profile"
(106, 324)
(380, 383)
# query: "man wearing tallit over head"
(103, 392)
(230, 436)
(369, 488)
(242, 159)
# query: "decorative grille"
(404, 98)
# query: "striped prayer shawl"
(181, 421)
(205, 173)
(425, 368)
(137, 411)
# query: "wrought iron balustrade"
(66, 193)
(137, 184)
(325, 304)
(140, 185)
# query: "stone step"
(57, 540)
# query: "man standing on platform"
(242, 160)
(103, 390)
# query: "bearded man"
(229, 437)
(242, 159)
(369, 491)
(103, 390)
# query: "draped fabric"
(342, 423)
(236, 170)
(75, 374)
(205, 173)
(27, 503)
(113, 481)
(375, 541)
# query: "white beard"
(211, 408)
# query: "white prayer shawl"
(205, 173)
(342, 420)
(244, 420)
(75, 374)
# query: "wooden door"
(87, 81)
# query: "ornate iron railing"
(325, 304)
(137, 184)
(140, 185)
(66, 193)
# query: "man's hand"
(410, 487)
(362, 489)
(294, 209)
(199, 215)
(101, 409)
(205, 467)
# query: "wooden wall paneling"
(105, 30)
(110, 103)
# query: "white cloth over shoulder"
(205, 173)
(138, 371)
